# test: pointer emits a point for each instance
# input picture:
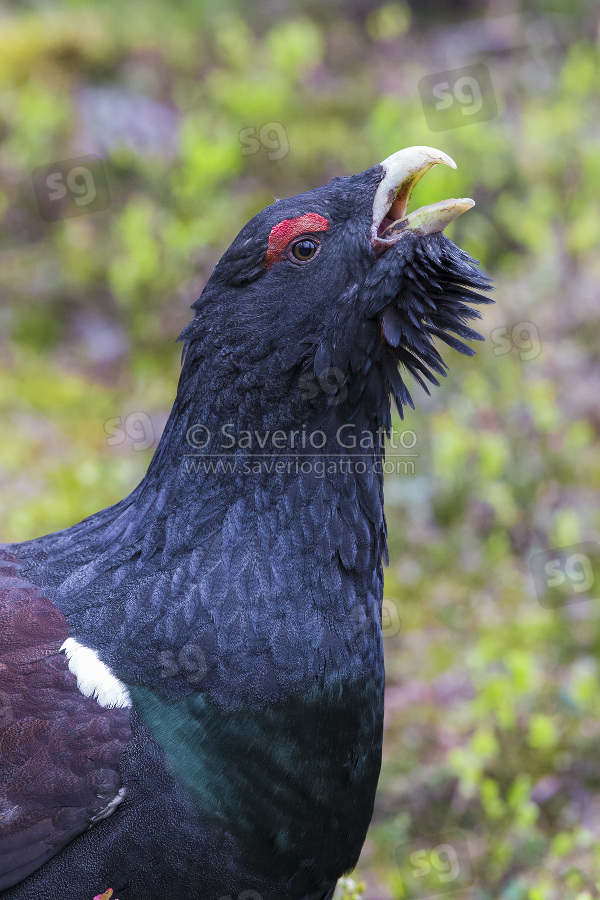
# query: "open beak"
(402, 170)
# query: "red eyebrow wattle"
(284, 232)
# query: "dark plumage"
(226, 735)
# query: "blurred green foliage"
(493, 710)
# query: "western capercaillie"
(192, 680)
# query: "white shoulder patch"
(109, 810)
(94, 678)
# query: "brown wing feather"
(59, 750)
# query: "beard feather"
(438, 282)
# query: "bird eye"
(304, 249)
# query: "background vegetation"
(493, 699)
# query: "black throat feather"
(421, 290)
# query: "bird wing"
(59, 749)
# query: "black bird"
(191, 681)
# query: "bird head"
(340, 291)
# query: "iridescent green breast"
(292, 783)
